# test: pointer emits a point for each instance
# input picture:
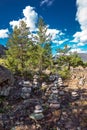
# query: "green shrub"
(64, 73)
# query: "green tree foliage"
(26, 53)
(75, 60)
(64, 50)
(43, 43)
(67, 58)
(18, 45)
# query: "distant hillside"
(83, 56)
(2, 50)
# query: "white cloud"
(30, 17)
(82, 13)
(78, 50)
(47, 2)
(15, 23)
(82, 19)
(80, 44)
(4, 33)
(55, 35)
(62, 41)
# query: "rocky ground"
(40, 105)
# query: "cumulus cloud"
(46, 2)
(78, 50)
(30, 17)
(82, 19)
(14, 23)
(55, 35)
(62, 41)
(4, 33)
(80, 44)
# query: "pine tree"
(68, 58)
(43, 43)
(18, 45)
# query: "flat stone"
(55, 105)
(61, 93)
(74, 95)
(55, 91)
(38, 111)
(38, 107)
(38, 116)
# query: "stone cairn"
(53, 99)
(55, 111)
(38, 113)
(26, 89)
(35, 83)
(74, 95)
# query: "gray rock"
(38, 116)
(74, 95)
(26, 91)
(38, 109)
(5, 91)
(6, 76)
(55, 105)
(25, 83)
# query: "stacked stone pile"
(26, 89)
(60, 109)
(38, 113)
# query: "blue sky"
(66, 19)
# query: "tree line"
(31, 52)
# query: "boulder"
(6, 76)
(5, 91)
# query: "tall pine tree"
(18, 45)
(43, 42)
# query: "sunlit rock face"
(78, 78)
